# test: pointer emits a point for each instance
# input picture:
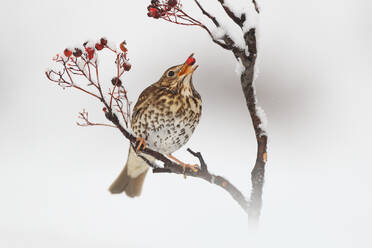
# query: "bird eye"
(170, 73)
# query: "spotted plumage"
(167, 112)
(164, 118)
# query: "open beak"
(188, 67)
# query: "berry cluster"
(158, 8)
(81, 61)
(89, 50)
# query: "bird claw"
(141, 143)
(193, 167)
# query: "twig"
(84, 116)
(256, 6)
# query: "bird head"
(179, 78)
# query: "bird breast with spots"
(166, 121)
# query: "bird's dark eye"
(170, 73)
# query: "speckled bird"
(164, 118)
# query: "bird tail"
(132, 176)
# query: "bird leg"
(193, 167)
(141, 142)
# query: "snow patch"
(238, 8)
(262, 115)
(232, 32)
(159, 163)
(256, 70)
(251, 18)
(235, 7)
(239, 68)
(218, 33)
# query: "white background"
(314, 83)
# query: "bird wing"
(144, 100)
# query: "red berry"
(116, 81)
(77, 52)
(99, 47)
(103, 41)
(104, 109)
(127, 66)
(154, 12)
(172, 3)
(90, 52)
(190, 61)
(67, 52)
(122, 47)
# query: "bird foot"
(193, 167)
(141, 143)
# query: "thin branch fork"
(86, 123)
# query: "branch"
(220, 181)
(247, 78)
(172, 167)
(258, 172)
(256, 6)
(238, 20)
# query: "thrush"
(163, 119)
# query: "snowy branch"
(247, 19)
(237, 19)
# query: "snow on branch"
(244, 47)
